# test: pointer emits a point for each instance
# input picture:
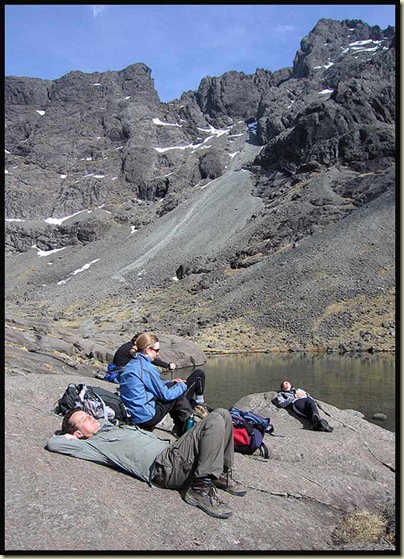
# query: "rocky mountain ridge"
(254, 213)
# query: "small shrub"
(361, 526)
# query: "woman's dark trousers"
(196, 384)
(179, 409)
(306, 407)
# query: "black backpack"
(97, 401)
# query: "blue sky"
(180, 43)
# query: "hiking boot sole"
(194, 503)
(323, 425)
(236, 493)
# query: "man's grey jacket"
(126, 447)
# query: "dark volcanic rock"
(330, 40)
(234, 94)
(256, 213)
(247, 174)
(338, 106)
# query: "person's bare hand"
(178, 380)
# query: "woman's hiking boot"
(201, 410)
(325, 426)
(205, 497)
(322, 425)
(228, 484)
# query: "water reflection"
(362, 382)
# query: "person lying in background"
(303, 404)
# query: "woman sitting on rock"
(303, 404)
(149, 399)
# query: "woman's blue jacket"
(141, 385)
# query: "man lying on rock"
(198, 463)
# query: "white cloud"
(285, 28)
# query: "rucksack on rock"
(114, 401)
(96, 401)
(112, 374)
(249, 429)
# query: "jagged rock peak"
(135, 81)
(330, 40)
(235, 94)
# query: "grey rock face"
(338, 62)
(330, 40)
(248, 173)
(234, 94)
(310, 482)
(258, 211)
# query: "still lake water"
(366, 383)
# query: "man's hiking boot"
(201, 410)
(227, 483)
(322, 425)
(205, 497)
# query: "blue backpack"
(112, 374)
(249, 429)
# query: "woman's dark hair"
(133, 349)
(133, 340)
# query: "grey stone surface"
(68, 349)
(58, 503)
(269, 227)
